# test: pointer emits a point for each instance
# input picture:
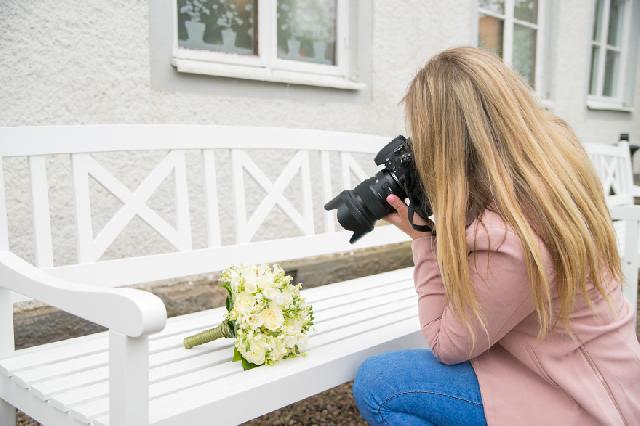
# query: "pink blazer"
(592, 380)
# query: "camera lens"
(360, 208)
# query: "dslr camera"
(359, 208)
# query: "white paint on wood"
(327, 190)
(134, 203)
(246, 228)
(84, 226)
(134, 270)
(128, 380)
(630, 214)
(613, 166)
(129, 311)
(211, 196)
(41, 213)
(7, 411)
(76, 139)
(4, 223)
(350, 165)
(75, 376)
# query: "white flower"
(254, 321)
(243, 303)
(270, 293)
(255, 355)
(290, 341)
(251, 282)
(272, 318)
(292, 327)
(279, 349)
(234, 279)
(266, 281)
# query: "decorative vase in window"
(195, 28)
(315, 20)
(228, 21)
(288, 25)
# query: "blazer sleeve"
(501, 283)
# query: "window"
(513, 29)
(609, 52)
(292, 41)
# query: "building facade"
(323, 64)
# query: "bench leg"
(128, 380)
(7, 411)
(7, 414)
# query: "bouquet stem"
(223, 330)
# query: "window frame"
(507, 40)
(599, 101)
(266, 66)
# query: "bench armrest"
(128, 311)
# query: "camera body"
(358, 209)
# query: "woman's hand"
(401, 218)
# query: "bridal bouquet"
(265, 313)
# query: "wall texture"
(69, 62)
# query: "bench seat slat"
(74, 379)
(209, 366)
(181, 362)
(86, 345)
(201, 357)
(188, 386)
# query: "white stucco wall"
(69, 62)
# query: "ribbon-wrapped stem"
(225, 329)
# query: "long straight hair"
(481, 141)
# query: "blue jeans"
(412, 387)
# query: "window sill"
(253, 73)
(607, 106)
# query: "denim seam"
(392, 397)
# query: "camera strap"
(419, 228)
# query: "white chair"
(613, 166)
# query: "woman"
(519, 293)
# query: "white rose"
(256, 355)
(279, 349)
(273, 318)
(303, 341)
(270, 293)
(290, 341)
(266, 281)
(254, 321)
(251, 282)
(285, 299)
(244, 303)
(293, 327)
(234, 277)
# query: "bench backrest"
(613, 165)
(321, 160)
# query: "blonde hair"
(481, 141)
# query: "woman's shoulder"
(489, 231)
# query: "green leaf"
(228, 303)
(236, 354)
(246, 365)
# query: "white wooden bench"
(613, 166)
(137, 373)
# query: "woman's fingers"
(400, 217)
(397, 204)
